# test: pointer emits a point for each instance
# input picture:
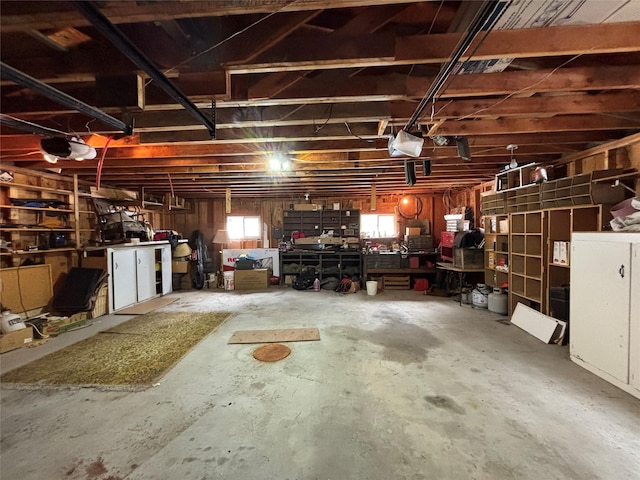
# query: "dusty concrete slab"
(402, 386)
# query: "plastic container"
(316, 285)
(372, 287)
(11, 322)
(498, 301)
(480, 296)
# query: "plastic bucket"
(372, 287)
(11, 322)
(480, 296)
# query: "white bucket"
(372, 287)
(480, 296)
(11, 322)
(228, 281)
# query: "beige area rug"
(146, 307)
(136, 353)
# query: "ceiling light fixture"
(440, 140)
(513, 163)
(75, 148)
(278, 162)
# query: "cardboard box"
(564, 253)
(16, 339)
(179, 266)
(504, 226)
(561, 253)
(256, 279)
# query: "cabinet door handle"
(621, 271)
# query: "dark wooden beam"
(54, 15)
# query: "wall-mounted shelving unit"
(515, 177)
(523, 199)
(493, 203)
(581, 189)
(38, 221)
(314, 222)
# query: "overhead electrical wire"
(481, 19)
(224, 40)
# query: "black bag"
(304, 280)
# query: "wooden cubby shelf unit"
(496, 250)
(532, 235)
(526, 272)
(561, 223)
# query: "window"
(240, 228)
(377, 226)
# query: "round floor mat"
(271, 352)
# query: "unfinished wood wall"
(209, 215)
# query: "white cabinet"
(605, 306)
(136, 272)
(122, 278)
(166, 277)
(145, 273)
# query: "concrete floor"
(401, 386)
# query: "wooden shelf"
(514, 177)
(37, 229)
(36, 188)
(583, 189)
(496, 250)
(38, 209)
(29, 222)
(327, 263)
(527, 254)
(314, 222)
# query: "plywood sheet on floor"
(282, 335)
(146, 307)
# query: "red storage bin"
(447, 240)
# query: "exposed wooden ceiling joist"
(323, 81)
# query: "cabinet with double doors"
(604, 326)
(137, 272)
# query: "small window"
(242, 228)
(377, 226)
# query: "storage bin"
(468, 257)
(559, 302)
(100, 305)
